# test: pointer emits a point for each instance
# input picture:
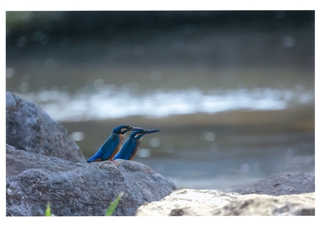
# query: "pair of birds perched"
(110, 148)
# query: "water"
(161, 103)
(233, 106)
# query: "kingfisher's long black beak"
(152, 131)
(136, 128)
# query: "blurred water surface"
(234, 104)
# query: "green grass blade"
(48, 211)
(113, 205)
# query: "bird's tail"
(95, 157)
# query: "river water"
(233, 107)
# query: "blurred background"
(231, 91)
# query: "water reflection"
(109, 102)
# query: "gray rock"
(78, 189)
(43, 164)
(283, 184)
(266, 205)
(18, 161)
(188, 202)
(29, 128)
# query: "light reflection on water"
(109, 102)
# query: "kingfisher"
(113, 144)
(131, 146)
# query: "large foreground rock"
(78, 189)
(29, 128)
(188, 202)
(283, 194)
(43, 164)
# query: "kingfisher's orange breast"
(118, 147)
(135, 150)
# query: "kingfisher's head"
(122, 129)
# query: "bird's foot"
(114, 162)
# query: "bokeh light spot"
(155, 142)
(24, 87)
(77, 136)
(144, 153)
(10, 72)
(210, 136)
(37, 36)
(98, 83)
(288, 41)
(245, 167)
(22, 41)
(44, 39)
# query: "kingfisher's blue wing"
(109, 146)
(106, 148)
(127, 149)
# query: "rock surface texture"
(284, 194)
(29, 128)
(43, 164)
(284, 184)
(189, 202)
(80, 189)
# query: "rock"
(284, 194)
(266, 205)
(78, 189)
(29, 128)
(283, 184)
(189, 202)
(43, 164)
(18, 161)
